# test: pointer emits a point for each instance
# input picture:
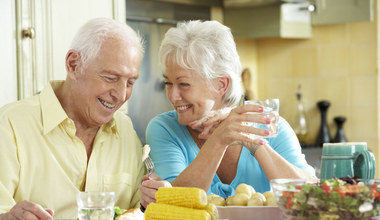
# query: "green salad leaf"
(118, 212)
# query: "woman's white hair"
(90, 37)
(207, 48)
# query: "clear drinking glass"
(271, 107)
(96, 205)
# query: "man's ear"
(222, 85)
(72, 63)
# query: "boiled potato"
(268, 194)
(259, 195)
(216, 200)
(240, 199)
(271, 202)
(245, 189)
(255, 201)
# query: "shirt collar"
(110, 127)
(53, 113)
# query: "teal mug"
(347, 159)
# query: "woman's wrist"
(260, 150)
(254, 149)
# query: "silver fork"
(149, 165)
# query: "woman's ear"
(223, 83)
(72, 63)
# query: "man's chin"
(104, 120)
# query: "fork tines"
(149, 165)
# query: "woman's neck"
(194, 134)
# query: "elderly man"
(71, 137)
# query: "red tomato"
(374, 187)
(341, 190)
(326, 188)
(289, 203)
(352, 189)
(374, 192)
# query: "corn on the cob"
(157, 211)
(213, 211)
(189, 197)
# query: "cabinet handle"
(309, 8)
(28, 33)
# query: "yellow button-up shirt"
(41, 159)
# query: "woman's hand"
(207, 124)
(233, 130)
(149, 187)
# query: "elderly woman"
(202, 76)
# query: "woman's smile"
(183, 108)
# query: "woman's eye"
(184, 84)
(167, 83)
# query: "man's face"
(106, 82)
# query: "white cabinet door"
(37, 34)
(8, 69)
(67, 16)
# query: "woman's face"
(190, 94)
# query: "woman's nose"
(173, 94)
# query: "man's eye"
(109, 79)
(130, 83)
(167, 83)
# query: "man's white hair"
(90, 37)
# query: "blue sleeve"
(167, 153)
(287, 145)
(221, 189)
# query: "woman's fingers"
(248, 108)
(211, 120)
(207, 132)
(255, 118)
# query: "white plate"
(249, 212)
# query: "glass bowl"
(327, 199)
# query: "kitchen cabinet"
(36, 37)
(341, 11)
(285, 20)
(291, 19)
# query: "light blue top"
(173, 149)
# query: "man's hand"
(149, 187)
(26, 210)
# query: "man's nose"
(120, 92)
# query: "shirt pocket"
(118, 183)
